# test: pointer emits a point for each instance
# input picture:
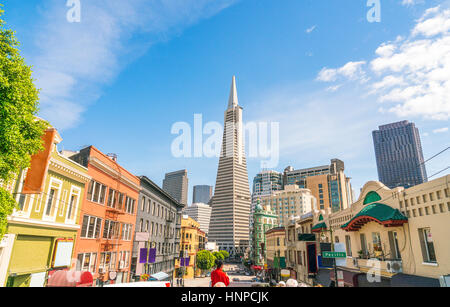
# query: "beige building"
(328, 183)
(400, 233)
(301, 246)
(276, 249)
(291, 202)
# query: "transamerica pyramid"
(230, 215)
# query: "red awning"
(65, 279)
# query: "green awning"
(319, 227)
(377, 212)
(306, 237)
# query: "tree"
(219, 255)
(205, 260)
(225, 254)
(20, 129)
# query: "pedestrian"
(218, 275)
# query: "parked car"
(236, 279)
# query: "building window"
(129, 205)
(126, 232)
(91, 226)
(87, 262)
(96, 192)
(348, 246)
(52, 198)
(111, 230)
(393, 243)
(376, 241)
(108, 260)
(74, 199)
(124, 257)
(363, 240)
(426, 242)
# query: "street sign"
(334, 255)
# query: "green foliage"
(225, 254)
(205, 260)
(7, 204)
(219, 255)
(20, 130)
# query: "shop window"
(427, 245)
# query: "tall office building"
(399, 155)
(202, 194)
(176, 184)
(328, 184)
(201, 213)
(229, 226)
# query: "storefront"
(51, 249)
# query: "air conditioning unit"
(394, 266)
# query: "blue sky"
(128, 71)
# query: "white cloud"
(410, 75)
(73, 61)
(309, 30)
(351, 70)
(441, 130)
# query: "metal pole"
(334, 262)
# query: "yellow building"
(276, 250)
(42, 230)
(399, 236)
(301, 246)
(192, 241)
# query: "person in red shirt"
(218, 275)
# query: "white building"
(201, 213)
(293, 201)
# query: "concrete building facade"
(402, 233)
(328, 183)
(202, 194)
(177, 185)
(201, 213)
(293, 201)
(230, 217)
(158, 220)
(398, 151)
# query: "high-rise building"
(202, 194)
(176, 184)
(398, 151)
(201, 213)
(230, 221)
(289, 203)
(327, 183)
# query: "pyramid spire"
(233, 100)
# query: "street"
(205, 281)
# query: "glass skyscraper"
(398, 151)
